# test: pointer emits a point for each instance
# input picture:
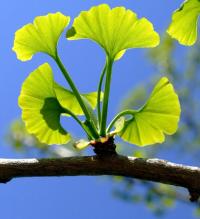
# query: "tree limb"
(145, 169)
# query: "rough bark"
(145, 169)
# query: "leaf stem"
(78, 96)
(79, 122)
(106, 96)
(125, 112)
(99, 93)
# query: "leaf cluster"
(43, 100)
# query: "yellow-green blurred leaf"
(184, 22)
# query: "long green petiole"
(78, 96)
(106, 96)
(123, 113)
(79, 122)
(99, 93)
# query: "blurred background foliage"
(182, 147)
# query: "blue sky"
(71, 197)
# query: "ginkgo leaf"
(160, 115)
(68, 100)
(41, 36)
(114, 29)
(184, 22)
(40, 108)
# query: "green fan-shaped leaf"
(68, 100)
(41, 36)
(184, 22)
(114, 29)
(40, 108)
(160, 115)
